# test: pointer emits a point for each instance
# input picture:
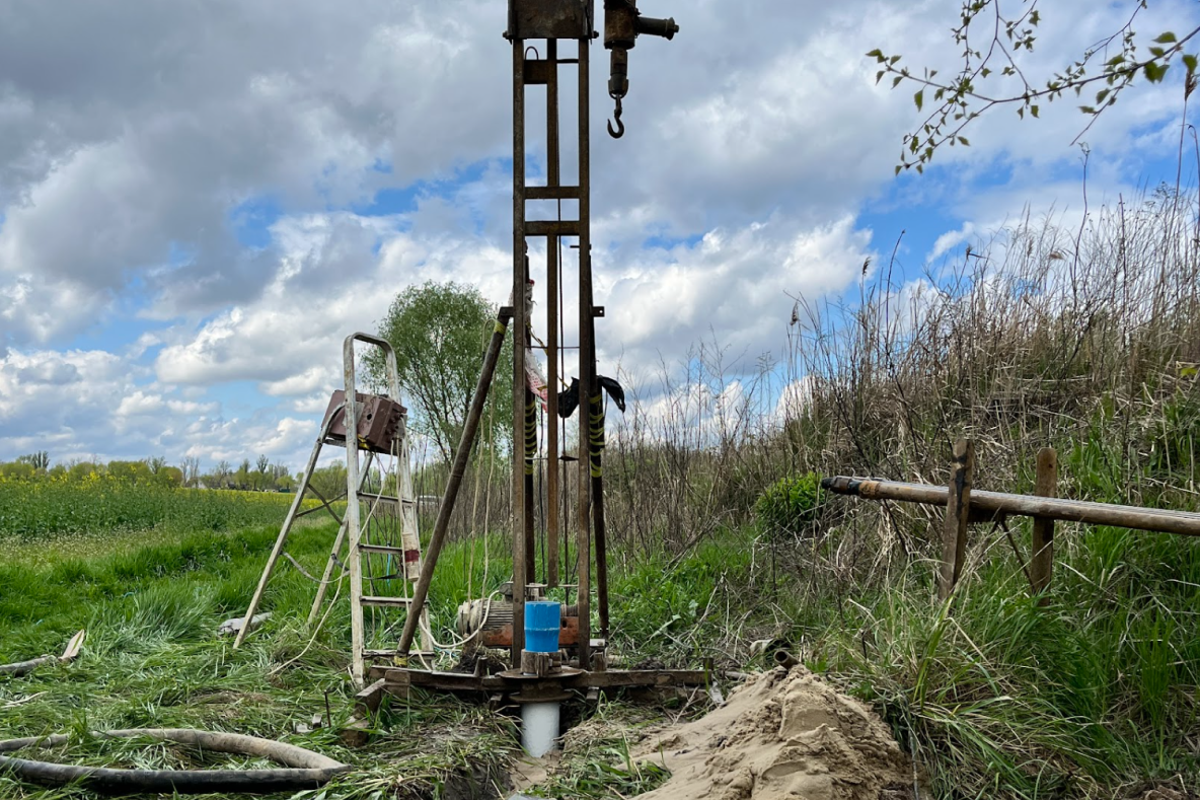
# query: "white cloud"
(755, 140)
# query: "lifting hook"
(619, 131)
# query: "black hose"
(303, 769)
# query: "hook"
(619, 131)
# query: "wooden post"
(1041, 568)
(958, 511)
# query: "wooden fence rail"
(964, 504)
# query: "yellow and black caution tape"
(596, 435)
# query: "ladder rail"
(332, 562)
(281, 540)
(352, 517)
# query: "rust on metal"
(550, 19)
(623, 23)
(398, 679)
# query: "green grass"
(1000, 697)
(995, 695)
(56, 509)
(151, 602)
(152, 659)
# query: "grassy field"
(1085, 697)
(49, 508)
(151, 602)
(152, 659)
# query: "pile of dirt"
(783, 734)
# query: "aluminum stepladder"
(384, 545)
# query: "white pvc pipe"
(539, 728)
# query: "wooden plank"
(617, 679)
(386, 602)
(958, 511)
(1041, 567)
(398, 680)
(1146, 519)
(368, 700)
(385, 498)
(381, 550)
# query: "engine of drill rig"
(489, 622)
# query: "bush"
(789, 506)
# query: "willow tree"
(440, 332)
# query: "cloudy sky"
(199, 199)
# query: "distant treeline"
(261, 476)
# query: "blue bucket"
(542, 622)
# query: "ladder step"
(379, 548)
(387, 602)
(384, 498)
(394, 653)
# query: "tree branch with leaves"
(1110, 66)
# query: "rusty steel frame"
(545, 72)
(551, 21)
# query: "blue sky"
(188, 231)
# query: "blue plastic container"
(542, 622)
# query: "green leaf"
(1165, 38)
(876, 54)
(1157, 52)
(1033, 110)
(1189, 60)
(1155, 72)
(919, 99)
(963, 141)
(878, 77)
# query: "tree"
(329, 481)
(191, 470)
(40, 461)
(281, 478)
(169, 476)
(440, 332)
(1107, 67)
(241, 478)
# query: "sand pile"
(781, 735)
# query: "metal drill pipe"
(1144, 519)
(520, 329)
(587, 360)
(553, 178)
(461, 456)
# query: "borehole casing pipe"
(540, 721)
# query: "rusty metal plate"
(379, 418)
(550, 19)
